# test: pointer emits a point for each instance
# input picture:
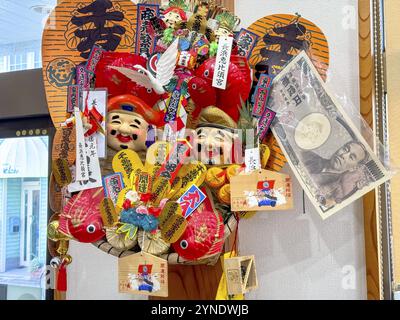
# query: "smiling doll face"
(214, 145)
(126, 131)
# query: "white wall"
(298, 255)
(93, 275)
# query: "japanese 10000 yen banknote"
(333, 163)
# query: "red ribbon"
(95, 119)
(62, 278)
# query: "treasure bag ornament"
(81, 217)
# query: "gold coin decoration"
(215, 177)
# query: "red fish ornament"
(202, 94)
(238, 85)
(81, 217)
(118, 84)
(204, 235)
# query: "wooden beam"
(392, 25)
(228, 4)
(366, 107)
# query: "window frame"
(10, 125)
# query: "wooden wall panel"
(193, 282)
(366, 106)
(229, 4)
(392, 24)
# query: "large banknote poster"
(330, 158)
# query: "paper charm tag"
(64, 145)
(96, 101)
(143, 274)
(261, 95)
(252, 160)
(191, 200)
(145, 41)
(82, 77)
(108, 213)
(61, 172)
(94, 171)
(241, 275)
(261, 190)
(222, 292)
(94, 58)
(175, 160)
(177, 129)
(82, 171)
(260, 101)
(222, 62)
(127, 162)
(173, 103)
(74, 99)
(113, 185)
(246, 41)
(265, 81)
(265, 123)
(144, 183)
(157, 27)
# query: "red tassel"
(62, 278)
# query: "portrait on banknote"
(332, 161)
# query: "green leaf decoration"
(248, 122)
(129, 229)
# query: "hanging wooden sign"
(241, 275)
(71, 31)
(284, 36)
(262, 190)
(143, 274)
(64, 144)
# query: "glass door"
(24, 172)
(29, 246)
